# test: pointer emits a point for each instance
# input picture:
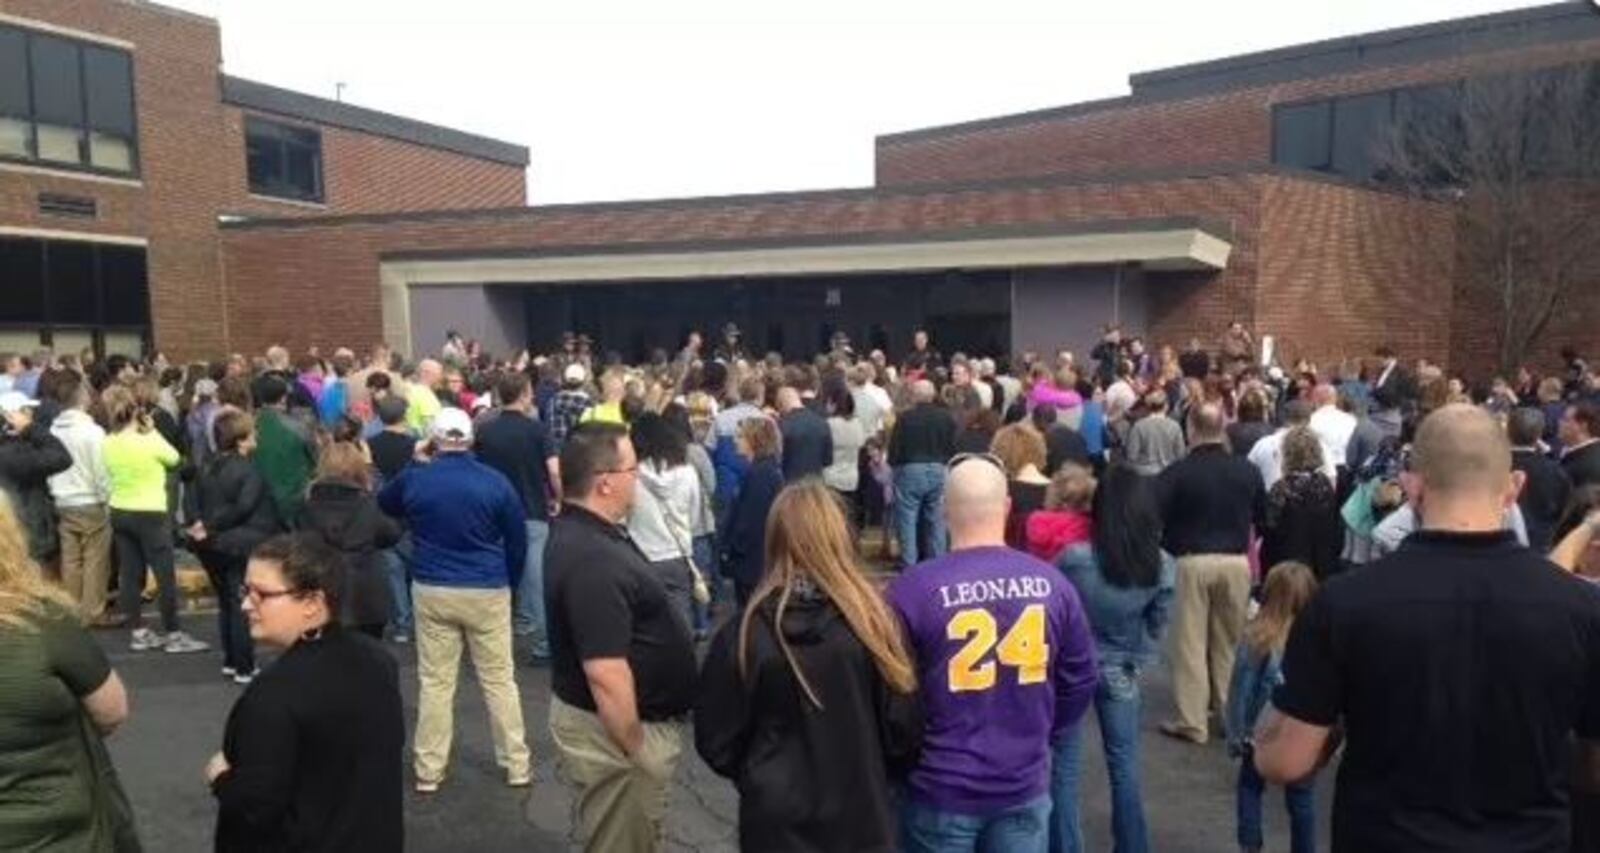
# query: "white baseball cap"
(575, 373)
(12, 402)
(452, 425)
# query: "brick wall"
(192, 167)
(1344, 270)
(1228, 128)
(285, 280)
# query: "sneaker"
(426, 787)
(179, 643)
(520, 781)
(229, 672)
(401, 637)
(243, 678)
(144, 640)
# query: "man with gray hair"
(1209, 499)
(1005, 665)
(1547, 489)
(1462, 666)
(922, 441)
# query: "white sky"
(627, 99)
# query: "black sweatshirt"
(315, 746)
(809, 778)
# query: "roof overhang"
(1173, 248)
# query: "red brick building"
(123, 149)
(1230, 190)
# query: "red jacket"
(1051, 531)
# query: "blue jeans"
(527, 615)
(397, 569)
(1024, 829)
(1116, 704)
(1301, 800)
(705, 558)
(919, 498)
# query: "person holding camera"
(28, 456)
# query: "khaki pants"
(623, 800)
(85, 556)
(480, 619)
(1213, 592)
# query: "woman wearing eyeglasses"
(231, 512)
(311, 755)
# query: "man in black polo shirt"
(922, 441)
(1208, 501)
(623, 671)
(520, 447)
(1462, 665)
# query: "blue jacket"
(745, 539)
(1093, 428)
(335, 394)
(465, 519)
(1254, 677)
(1127, 622)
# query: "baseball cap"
(205, 388)
(452, 425)
(12, 402)
(575, 373)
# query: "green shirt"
(137, 463)
(422, 405)
(48, 748)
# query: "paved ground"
(180, 704)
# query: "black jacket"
(809, 778)
(232, 500)
(807, 443)
(1583, 465)
(744, 541)
(1544, 496)
(1303, 524)
(316, 746)
(26, 462)
(925, 433)
(347, 518)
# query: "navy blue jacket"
(466, 521)
(745, 540)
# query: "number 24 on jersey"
(1023, 648)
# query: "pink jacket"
(1051, 531)
(1061, 398)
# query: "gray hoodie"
(85, 483)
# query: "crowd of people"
(1373, 558)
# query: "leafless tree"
(1518, 156)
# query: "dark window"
(66, 103)
(1361, 126)
(1302, 135)
(72, 298)
(283, 161)
(126, 292)
(21, 282)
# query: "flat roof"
(261, 97)
(1573, 20)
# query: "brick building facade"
(188, 173)
(1238, 189)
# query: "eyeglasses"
(260, 595)
(965, 457)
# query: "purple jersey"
(1005, 660)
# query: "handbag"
(699, 588)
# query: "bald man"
(807, 441)
(1005, 664)
(921, 442)
(1461, 666)
(1333, 426)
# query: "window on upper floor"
(1302, 135)
(66, 103)
(283, 161)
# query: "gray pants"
(144, 539)
(679, 584)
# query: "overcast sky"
(655, 98)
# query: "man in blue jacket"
(467, 524)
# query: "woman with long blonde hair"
(808, 699)
(58, 698)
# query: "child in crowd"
(1256, 671)
(1065, 519)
